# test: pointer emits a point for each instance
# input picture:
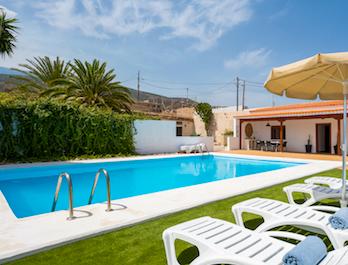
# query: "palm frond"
(8, 31)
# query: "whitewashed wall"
(159, 136)
(297, 132)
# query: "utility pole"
(237, 93)
(187, 92)
(138, 85)
(243, 96)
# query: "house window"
(275, 132)
(179, 128)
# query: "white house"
(291, 126)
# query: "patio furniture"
(333, 183)
(277, 213)
(262, 145)
(250, 144)
(269, 146)
(188, 148)
(221, 242)
(276, 145)
(316, 193)
(258, 145)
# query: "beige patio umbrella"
(322, 75)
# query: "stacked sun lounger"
(193, 148)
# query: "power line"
(186, 83)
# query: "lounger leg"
(169, 245)
(290, 197)
(238, 215)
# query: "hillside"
(7, 83)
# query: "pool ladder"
(96, 178)
(71, 194)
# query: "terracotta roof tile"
(303, 109)
(301, 106)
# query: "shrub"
(204, 110)
(49, 128)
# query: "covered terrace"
(314, 124)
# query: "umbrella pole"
(344, 146)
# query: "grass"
(142, 243)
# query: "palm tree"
(8, 31)
(92, 85)
(42, 74)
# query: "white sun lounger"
(333, 183)
(316, 193)
(277, 213)
(189, 148)
(221, 242)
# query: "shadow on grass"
(188, 255)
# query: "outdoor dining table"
(276, 144)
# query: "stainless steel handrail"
(106, 174)
(55, 199)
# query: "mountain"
(148, 101)
(7, 71)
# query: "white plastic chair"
(277, 213)
(221, 242)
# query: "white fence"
(156, 137)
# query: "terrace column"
(281, 136)
(339, 152)
(240, 134)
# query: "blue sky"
(202, 45)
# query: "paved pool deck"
(25, 236)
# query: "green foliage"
(42, 74)
(92, 85)
(204, 110)
(49, 128)
(8, 31)
(228, 133)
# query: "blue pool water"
(29, 190)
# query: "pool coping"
(26, 236)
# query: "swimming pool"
(29, 190)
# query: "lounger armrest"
(325, 208)
(283, 234)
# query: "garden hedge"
(43, 128)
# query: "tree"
(8, 31)
(91, 84)
(204, 110)
(42, 74)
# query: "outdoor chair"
(258, 145)
(284, 146)
(221, 242)
(276, 214)
(269, 146)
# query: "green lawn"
(142, 243)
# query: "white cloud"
(8, 12)
(253, 58)
(202, 20)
